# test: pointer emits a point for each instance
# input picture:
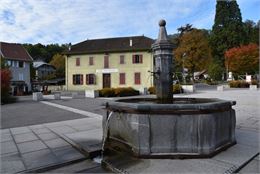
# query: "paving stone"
(31, 146)
(237, 154)
(8, 147)
(54, 143)
(38, 126)
(252, 167)
(19, 138)
(5, 137)
(76, 167)
(90, 140)
(85, 127)
(47, 136)
(67, 154)
(248, 138)
(20, 130)
(4, 131)
(11, 163)
(41, 131)
(39, 158)
(62, 129)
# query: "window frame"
(91, 61)
(137, 60)
(122, 78)
(75, 80)
(122, 59)
(77, 61)
(137, 78)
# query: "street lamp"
(183, 71)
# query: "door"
(106, 81)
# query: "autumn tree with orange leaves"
(243, 60)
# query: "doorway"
(106, 80)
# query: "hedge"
(177, 89)
(118, 92)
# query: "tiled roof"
(14, 51)
(121, 44)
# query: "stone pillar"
(163, 63)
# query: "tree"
(58, 61)
(215, 71)
(251, 32)
(193, 52)
(228, 30)
(6, 76)
(243, 59)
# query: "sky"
(73, 21)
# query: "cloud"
(64, 21)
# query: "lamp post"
(183, 71)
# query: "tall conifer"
(227, 31)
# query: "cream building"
(112, 62)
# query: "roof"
(120, 44)
(14, 51)
(37, 64)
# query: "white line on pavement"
(78, 111)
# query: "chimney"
(130, 42)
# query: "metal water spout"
(163, 65)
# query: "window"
(77, 61)
(90, 79)
(137, 78)
(122, 78)
(138, 58)
(106, 62)
(91, 61)
(77, 79)
(20, 76)
(21, 64)
(122, 59)
(9, 62)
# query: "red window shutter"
(133, 58)
(137, 78)
(87, 79)
(77, 61)
(141, 58)
(81, 79)
(106, 62)
(74, 79)
(122, 59)
(122, 78)
(91, 61)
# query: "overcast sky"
(65, 21)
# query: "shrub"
(151, 90)
(107, 92)
(118, 92)
(238, 84)
(177, 89)
(255, 82)
(122, 92)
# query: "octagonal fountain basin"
(188, 127)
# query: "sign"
(106, 71)
(248, 78)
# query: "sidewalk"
(40, 146)
(36, 147)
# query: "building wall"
(44, 70)
(114, 65)
(25, 71)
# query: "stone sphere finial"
(162, 23)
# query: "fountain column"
(163, 65)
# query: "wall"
(114, 63)
(25, 71)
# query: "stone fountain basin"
(189, 127)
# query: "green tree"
(215, 71)
(251, 32)
(193, 51)
(58, 61)
(228, 30)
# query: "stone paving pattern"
(34, 146)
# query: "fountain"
(168, 127)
